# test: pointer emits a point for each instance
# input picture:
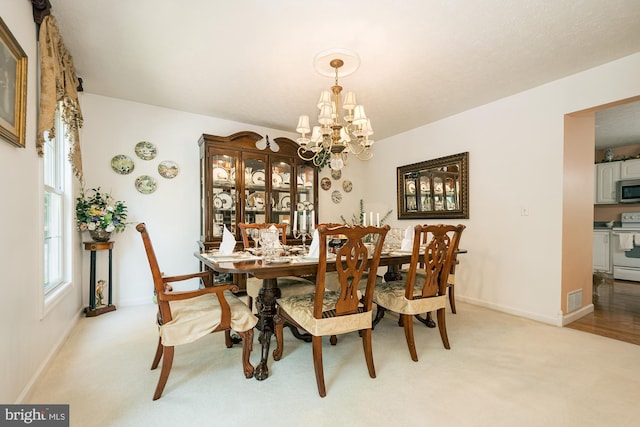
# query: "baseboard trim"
(555, 321)
(47, 360)
(577, 314)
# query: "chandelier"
(336, 136)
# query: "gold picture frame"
(13, 88)
(434, 189)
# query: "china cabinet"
(240, 182)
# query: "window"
(56, 184)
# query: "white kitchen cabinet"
(607, 174)
(602, 251)
(630, 169)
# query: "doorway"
(616, 306)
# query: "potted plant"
(100, 214)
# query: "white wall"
(29, 336)
(515, 153)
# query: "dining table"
(269, 272)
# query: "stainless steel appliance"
(628, 191)
(626, 262)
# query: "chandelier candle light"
(336, 137)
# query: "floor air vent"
(574, 300)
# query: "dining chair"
(409, 297)
(290, 285)
(327, 313)
(451, 281)
(186, 316)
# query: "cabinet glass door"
(223, 178)
(305, 211)
(255, 189)
(281, 193)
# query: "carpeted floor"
(501, 371)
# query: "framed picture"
(13, 88)
(437, 188)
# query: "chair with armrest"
(288, 285)
(186, 316)
(409, 297)
(327, 313)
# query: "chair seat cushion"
(390, 295)
(196, 317)
(289, 286)
(300, 309)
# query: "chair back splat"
(439, 253)
(245, 228)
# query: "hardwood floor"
(616, 312)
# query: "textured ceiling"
(421, 60)
(618, 126)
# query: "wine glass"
(254, 233)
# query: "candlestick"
(313, 219)
(371, 218)
(378, 219)
(295, 220)
(304, 221)
(364, 219)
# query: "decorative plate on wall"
(347, 186)
(168, 169)
(146, 150)
(336, 174)
(336, 197)
(122, 164)
(325, 183)
(146, 184)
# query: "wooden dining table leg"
(266, 305)
(393, 273)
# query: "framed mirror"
(437, 188)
